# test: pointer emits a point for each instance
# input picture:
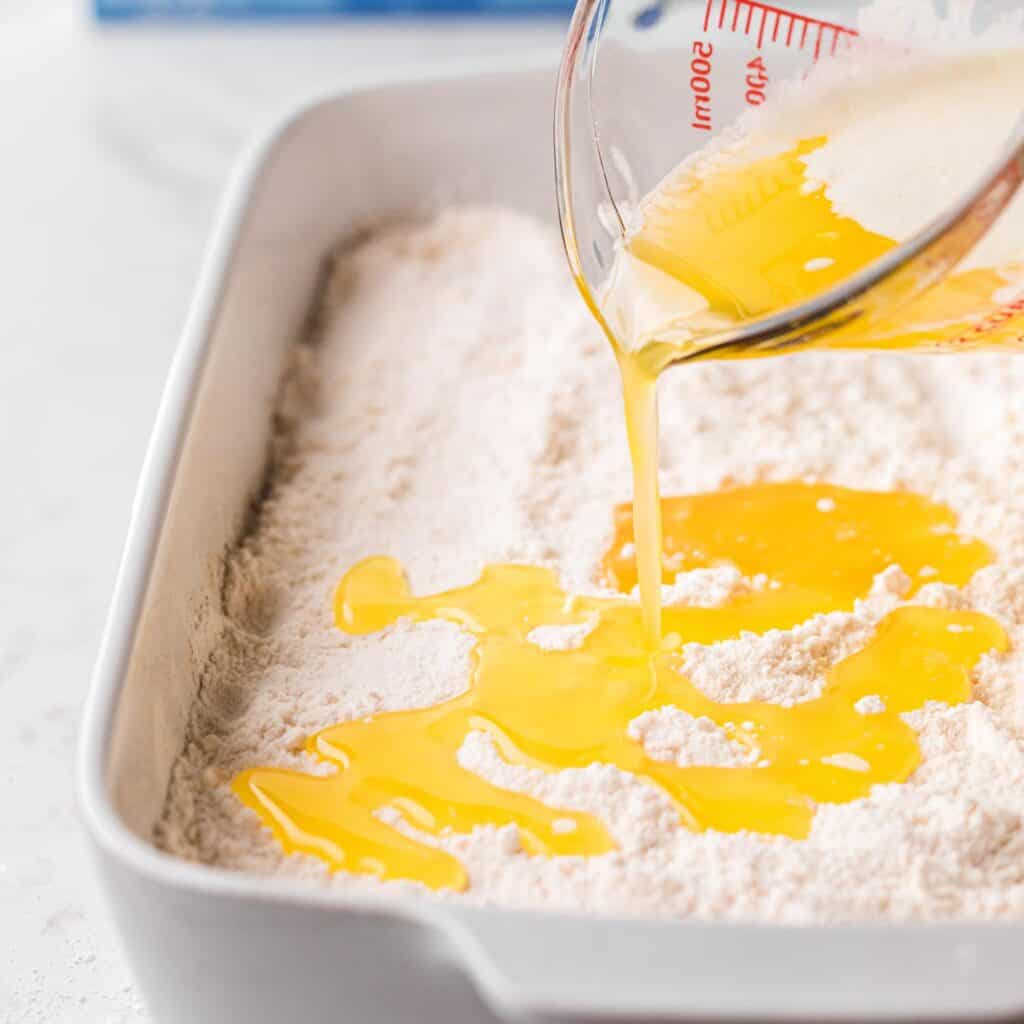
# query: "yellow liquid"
(560, 709)
(640, 404)
(750, 239)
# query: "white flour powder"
(459, 407)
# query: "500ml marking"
(764, 23)
(700, 84)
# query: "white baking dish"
(211, 946)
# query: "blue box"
(121, 10)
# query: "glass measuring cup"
(644, 85)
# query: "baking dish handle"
(558, 968)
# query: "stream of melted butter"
(820, 546)
(736, 239)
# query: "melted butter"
(743, 237)
(551, 709)
(722, 245)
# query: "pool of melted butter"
(818, 549)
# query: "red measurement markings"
(757, 82)
(748, 16)
(700, 85)
(996, 319)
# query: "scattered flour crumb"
(669, 734)
(781, 666)
(709, 588)
(561, 638)
(870, 705)
(849, 761)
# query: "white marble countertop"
(116, 145)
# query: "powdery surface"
(459, 407)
